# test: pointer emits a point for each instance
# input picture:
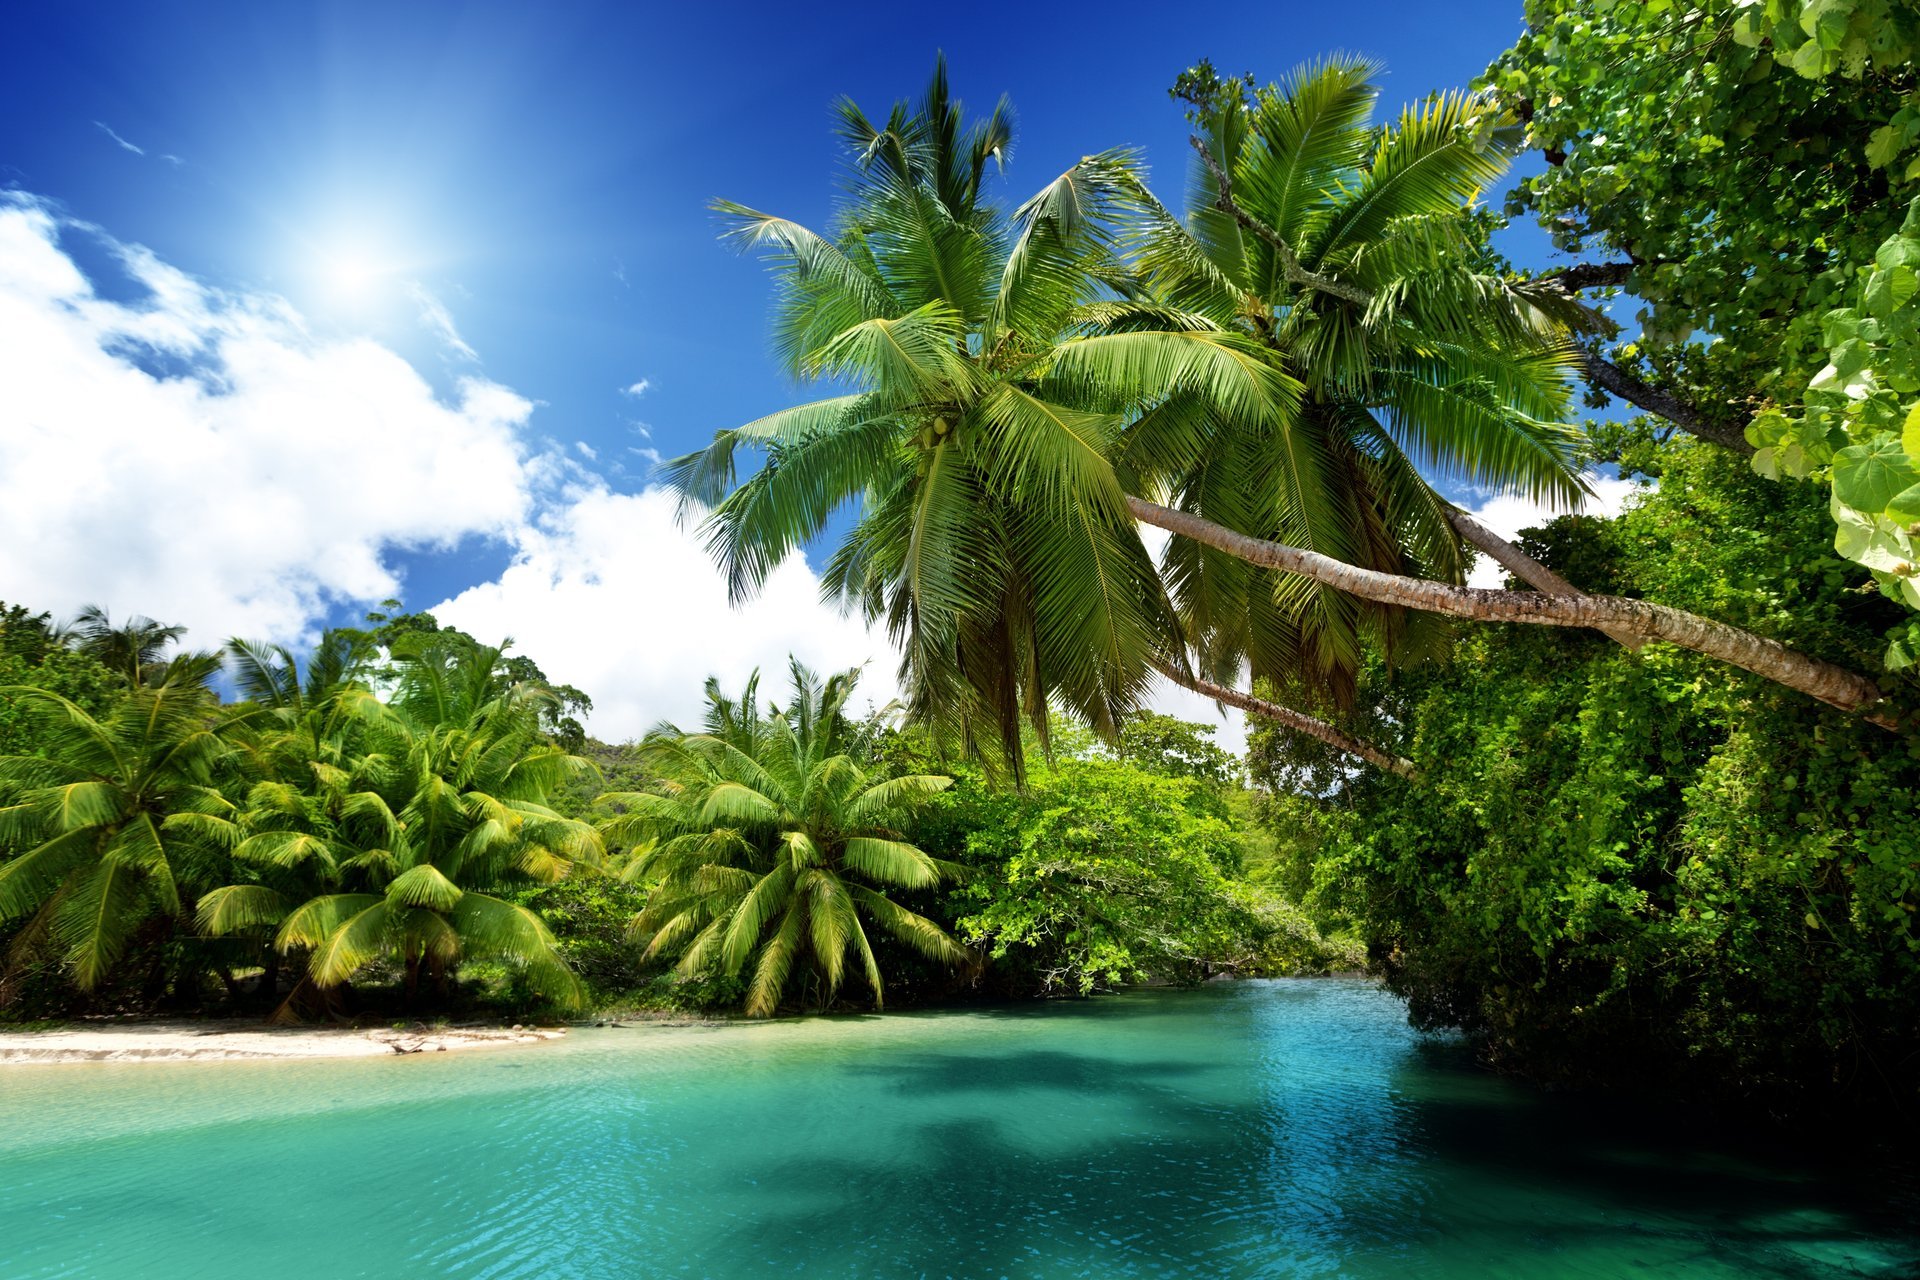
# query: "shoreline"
(189, 1041)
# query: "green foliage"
(111, 822)
(386, 830)
(348, 827)
(1746, 192)
(32, 654)
(1859, 425)
(1173, 748)
(1104, 875)
(560, 705)
(1629, 868)
(1754, 161)
(764, 842)
(589, 912)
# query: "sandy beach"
(248, 1041)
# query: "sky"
(307, 306)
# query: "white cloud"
(435, 317)
(204, 458)
(610, 593)
(1507, 515)
(124, 144)
(639, 388)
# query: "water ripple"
(1290, 1129)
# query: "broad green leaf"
(1866, 477)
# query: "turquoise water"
(1290, 1129)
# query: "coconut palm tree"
(992, 531)
(115, 823)
(1044, 317)
(1344, 251)
(135, 649)
(1343, 248)
(408, 830)
(768, 846)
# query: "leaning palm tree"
(398, 846)
(1343, 248)
(1345, 253)
(114, 825)
(767, 846)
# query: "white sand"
(242, 1041)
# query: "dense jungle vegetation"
(1644, 818)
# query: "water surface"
(1294, 1129)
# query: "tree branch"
(1662, 404)
(1590, 275)
(1298, 721)
(1289, 261)
(1829, 683)
(1525, 567)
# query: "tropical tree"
(1356, 239)
(115, 822)
(135, 649)
(992, 532)
(408, 825)
(767, 844)
(1348, 255)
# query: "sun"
(352, 275)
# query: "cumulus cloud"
(205, 458)
(610, 593)
(639, 388)
(202, 457)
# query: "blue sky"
(513, 198)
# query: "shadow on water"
(1411, 1162)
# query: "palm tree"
(1344, 252)
(767, 842)
(115, 824)
(134, 649)
(396, 839)
(993, 533)
(1343, 248)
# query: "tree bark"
(1588, 275)
(1834, 685)
(1298, 721)
(1662, 404)
(1525, 567)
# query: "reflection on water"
(1291, 1129)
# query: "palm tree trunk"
(270, 974)
(1525, 567)
(1298, 721)
(1834, 685)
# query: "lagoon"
(1277, 1128)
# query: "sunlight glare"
(351, 275)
